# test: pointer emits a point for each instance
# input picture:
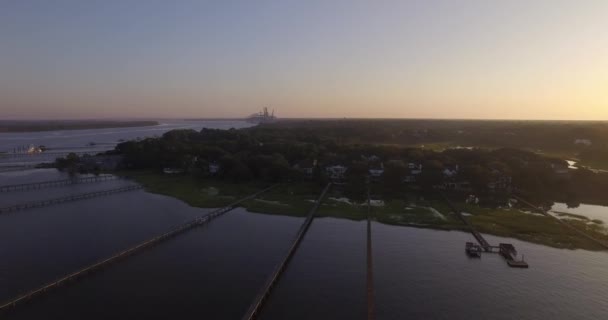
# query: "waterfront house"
(560, 168)
(500, 182)
(306, 167)
(376, 171)
(172, 170)
(414, 168)
(585, 142)
(409, 179)
(336, 172)
(450, 172)
(214, 168)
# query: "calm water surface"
(588, 210)
(215, 271)
(105, 139)
(63, 139)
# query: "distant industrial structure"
(262, 117)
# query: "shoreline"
(293, 200)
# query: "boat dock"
(125, 253)
(56, 183)
(49, 154)
(70, 198)
(506, 250)
(256, 307)
(371, 313)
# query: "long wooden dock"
(70, 198)
(256, 307)
(567, 225)
(125, 253)
(371, 313)
(482, 241)
(55, 183)
(14, 168)
(49, 154)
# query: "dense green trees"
(270, 153)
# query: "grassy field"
(534, 228)
(287, 199)
(204, 193)
(297, 199)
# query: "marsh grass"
(297, 199)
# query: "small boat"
(472, 250)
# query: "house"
(472, 199)
(306, 167)
(376, 171)
(560, 168)
(409, 179)
(500, 182)
(585, 142)
(172, 170)
(450, 172)
(372, 158)
(336, 172)
(214, 168)
(415, 169)
(455, 185)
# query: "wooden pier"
(14, 168)
(70, 198)
(55, 183)
(124, 254)
(49, 154)
(480, 239)
(255, 308)
(371, 313)
(506, 250)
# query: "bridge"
(125, 253)
(259, 301)
(55, 183)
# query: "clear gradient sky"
(530, 59)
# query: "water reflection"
(215, 272)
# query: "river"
(215, 271)
(588, 210)
(93, 140)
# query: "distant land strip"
(52, 125)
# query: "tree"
(394, 172)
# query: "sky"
(531, 59)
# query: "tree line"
(271, 153)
